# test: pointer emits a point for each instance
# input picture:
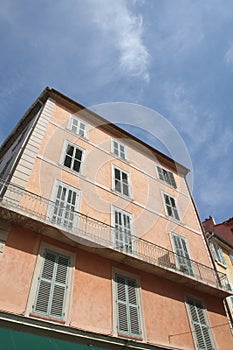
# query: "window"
(171, 208)
(127, 303)
(123, 238)
(73, 157)
(52, 285)
(121, 182)
(201, 330)
(118, 149)
(231, 256)
(63, 210)
(77, 126)
(218, 253)
(166, 176)
(182, 257)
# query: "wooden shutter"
(127, 306)
(50, 298)
(201, 330)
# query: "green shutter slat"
(201, 329)
(58, 301)
(50, 298)
(42, 300)
(127, 306)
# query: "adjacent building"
(220, 238)
(101, 244)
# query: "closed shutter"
(201, 330)
(127, 306)
(50, 298)
(182, 254)
(123, 238)
(65, 204)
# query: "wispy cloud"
(228, 58)
(125, 31)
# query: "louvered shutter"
(127, 306)
(201, 329)
(182, 252)
(133, 307)
(121, 300)
(50, 298)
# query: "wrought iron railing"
(94, 232)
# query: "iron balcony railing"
(94, 232)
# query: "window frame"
(176, 207)
(169, 174)
(206, 325)
(129, 195)
(217, 252)
(35, 284)
(79, 121)
(136, 278)
(119, 145)
(64, 155)
(127, 245)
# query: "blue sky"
(172, 56)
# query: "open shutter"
(50, 298)
(127, 306)
(200, 326)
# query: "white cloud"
(124, 30)
(228, 58)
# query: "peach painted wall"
(17, 268)
(95, 184)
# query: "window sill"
(129, 198)
(173, 219)
(47, 318)
(133, 337)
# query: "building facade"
(101, 244)
(220, 238)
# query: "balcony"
(26, 208)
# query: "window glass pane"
(68, 161)
(70, 150)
